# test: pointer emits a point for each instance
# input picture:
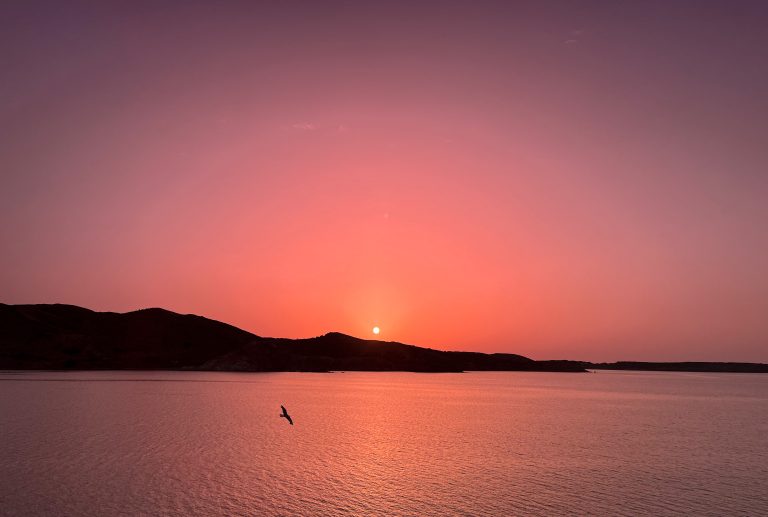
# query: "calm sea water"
(606, 443)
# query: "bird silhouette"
(286, 415)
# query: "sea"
(379, 444)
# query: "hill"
(67, 337)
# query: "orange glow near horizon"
(499, 178)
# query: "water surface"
(491, 443)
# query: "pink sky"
(559, 182)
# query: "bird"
(286, 415)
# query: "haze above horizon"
(541, 178)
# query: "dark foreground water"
(160, 443)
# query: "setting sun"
(376, 330)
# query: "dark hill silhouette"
(73, 338)
(335, 351)
(66, 337)
(69, 337)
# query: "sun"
(376, 330)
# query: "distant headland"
(67, 337)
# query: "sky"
(581, 180)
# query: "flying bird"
(286, 415)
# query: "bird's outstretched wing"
(286, 415)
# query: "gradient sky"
(584, 180)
